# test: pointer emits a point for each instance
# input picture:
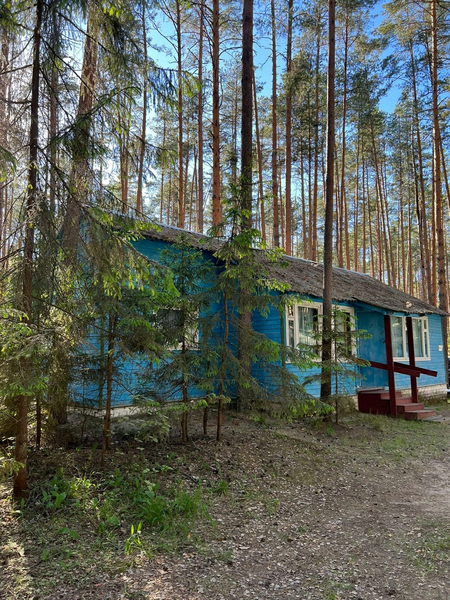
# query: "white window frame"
(294, 319)
(319, 307)
(425, 339)
(350, 311)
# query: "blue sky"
(262, 56)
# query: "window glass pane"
(291, 340)
(397, 337)
(307, 324)
(418, 338)
(344, 327)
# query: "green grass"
(68, 519)
(433, 548)
(398, 439)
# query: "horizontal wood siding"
(126, 380)
(372, 348)
(271, 325)
(436, 362)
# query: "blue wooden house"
(405, 347)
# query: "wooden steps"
(376, 401)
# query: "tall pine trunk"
(20, 453)
(200, 122)
(288, 153)
(217, 208)
(260, 164)
(246, 167)
(275, 203)
(181, 199)
(79, 179)
(139, 203)
(325, 390)
(442, 283)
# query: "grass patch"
(68, 519)
(433, 549)
(397, 439)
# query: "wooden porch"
(391, 402)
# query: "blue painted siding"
(375, 349)
(272, 326)
(371, 320)
(372, 348)
(368, 318)
(436, 362)
(86, 385)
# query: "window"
(302, 325)
(344, 327)
(420, 337)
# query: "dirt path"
(337, 518)
(346, 539)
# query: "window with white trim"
(344, 325)
(302, 324)
(421, 338)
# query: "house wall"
(375, 349)
(371, 320)
(272, 326)
(435, 363)
(87, 389)
(372, 348)
(368, 318)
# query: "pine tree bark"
(245, 317)
(4, 57)
(275, 204)
(260, 164)
(217, 207)
(181, 203)
(313, 212)
(20, 452)
(325, 390)
(247, 112)
(442, 284)
(200, 121)
(139, 202)
(422, 218)
(342, 201)
(288, 135)
(106, 438)
(79, 172)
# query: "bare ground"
(358, 511)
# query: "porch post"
(390, 365)
(412, 357)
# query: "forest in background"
(164, 139)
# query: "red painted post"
(412, 357)
(390, 365)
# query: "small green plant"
(46, 555)
(54, 499)
(272, 506)
(133, 542)
(70, 532)
(221, 488)
(8, 467)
